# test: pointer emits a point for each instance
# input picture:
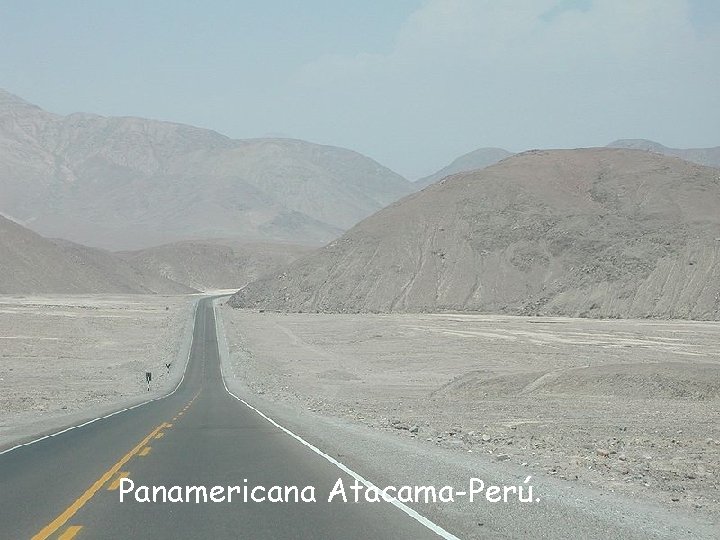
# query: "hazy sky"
(410, 83)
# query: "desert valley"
(553, 313)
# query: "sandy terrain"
(626, 406)
(63, 354)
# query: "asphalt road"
(68, 485)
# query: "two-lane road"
(68, 485)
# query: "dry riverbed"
(627, 406)
(63, 354)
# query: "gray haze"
(413, 84)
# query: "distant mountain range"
(484, 157)
(594, 232)
(477, 159)
(32, 264)
(129, 183)
(702, 156)
(606, 232)
(214, 264)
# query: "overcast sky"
(413, 84)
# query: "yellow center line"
(71, 510)
(70, 532)
(116, 483)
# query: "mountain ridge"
(129, 183)
(476, 159)
(589, 232)
(214, 263)
(32, 264)
(702, 156)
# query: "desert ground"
(629, 406)
(65, 354)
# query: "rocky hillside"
(702, 156)
(590, 232)
(31, 264)
(128, 183)
(214, 264)
(477, 159)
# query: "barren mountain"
(215, 264)
(702, 156)
(477, 159)
(127, 183)
(590, 232)
(31, 264)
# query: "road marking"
(434, 527)
(145, 451)
(70, 428)
(70, 533)
(115, 484)
(71, 510)
(437, 529)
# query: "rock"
(502, 457)
(414, 429)
(397, 424)
(486, 438)
(602, 452)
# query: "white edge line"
(437, 529)
(187, 362)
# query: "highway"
(68, 485)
